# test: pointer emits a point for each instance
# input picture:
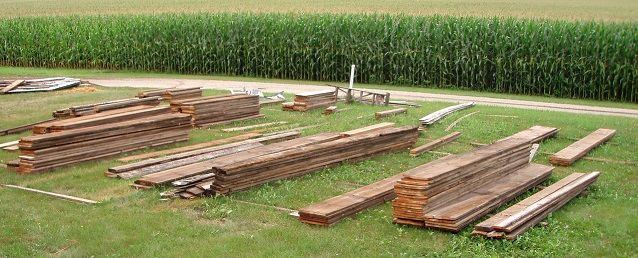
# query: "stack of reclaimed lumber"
(451, 192)
(515, 220)
(221, 109)
(261, 165)
(311, 100)
(103, 118)
(37, 85)
(45, 152)
(164, 163)
(577, 150)
(91, 109)
(172, 93)
(436, 116)
(346, 205)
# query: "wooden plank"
(367, 129)
(12, 148)
(11, 86)
(61, 196)
(392, 112)
(434, 144)
(190, 147)
(575, 151)
(7, 144)
(23, 128)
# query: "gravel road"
(395, 95)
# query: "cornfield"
(588, 60)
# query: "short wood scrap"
(575, 151)
(220, 109)
(57, 195)
(517, 219)
(434, 144)
(330, 110)
(392, 112)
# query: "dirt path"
(295, 88)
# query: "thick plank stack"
(221, 109)
(205, 167)
(515, 220)
(311, 100)
(451, 192)
(103, 118)
(91, 109)
(437, 115)
(37, 85)
(577, 150)
(45, 152)
(244, 170)
(172, 93)
(185, 158)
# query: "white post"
(351, 76)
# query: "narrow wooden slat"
(61, 196)
(392, 112)
(11, 86)
(366, 129)
(434, 144)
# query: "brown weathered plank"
(576, 150)
(392, 112)
(11, 86)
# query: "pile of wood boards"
(515, 220)
(577, 150)
(103, 118)
(436, 116)
(165, 163)
(172, 93)
(451, 192)
(261, 165)
(311, 100)
(37, 85)
(45, 152)
(91, 109)
(221, 109)
(346, 205)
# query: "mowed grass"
(134, 223)
(612, 10)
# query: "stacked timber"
(311, 100)
(437, 115)
(245, 170)
(45, 152)
(577, 150)
(37, 85)
(103, 118)
(515, 220)
(451, 192)
(205, 167)
(91, 109)
(172, 93)
(221, 109)
(155, 165)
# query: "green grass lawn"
(135, 223)
(611, 10)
